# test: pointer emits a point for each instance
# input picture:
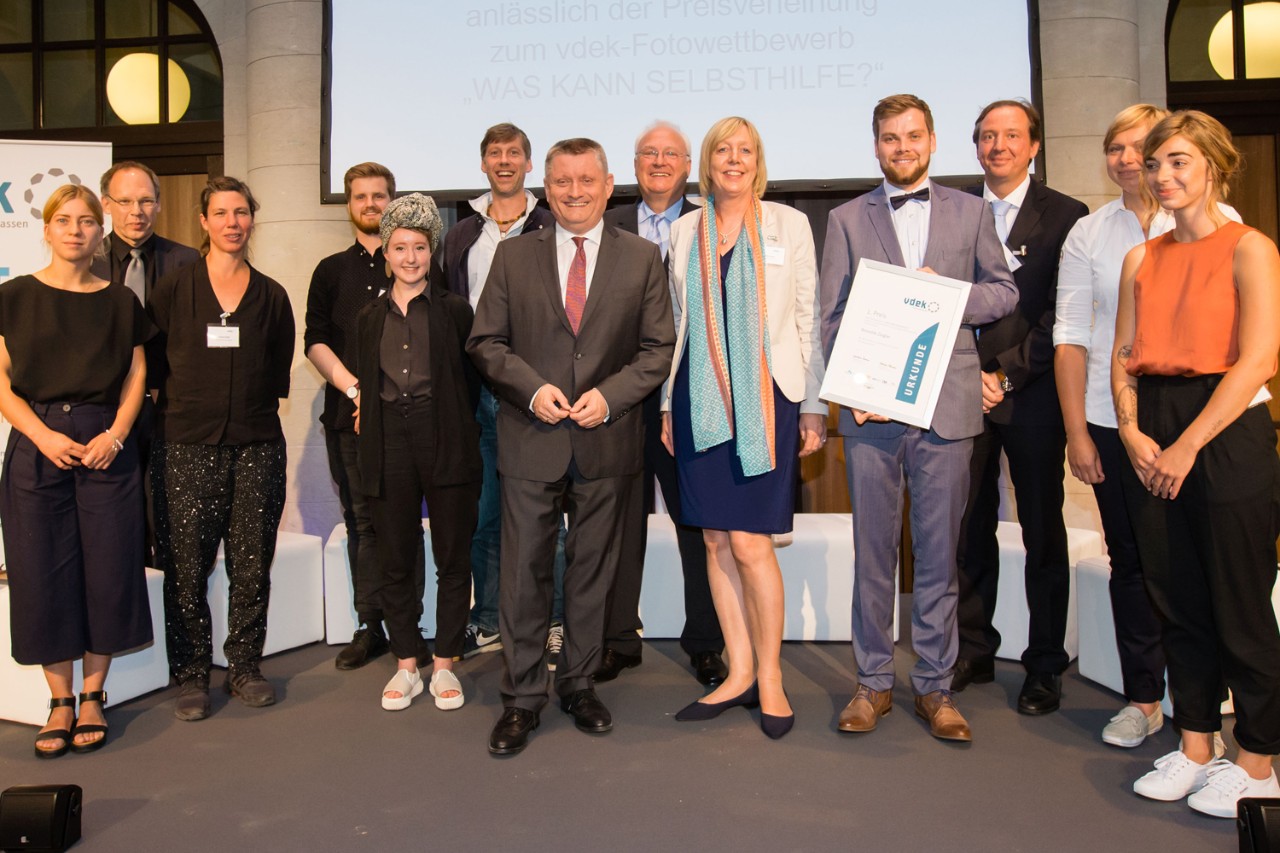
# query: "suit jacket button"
(577, 355)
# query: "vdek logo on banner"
(31, 172)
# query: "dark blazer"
(169, 256)
(624, 216)
(962, 245)
(455, 392)
(461, 237)
(1021, 344)
(522, 340)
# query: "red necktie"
(575, 295)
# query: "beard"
(362, 225)
(906, 177)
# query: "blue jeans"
(486, 545)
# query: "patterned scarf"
(728, 346)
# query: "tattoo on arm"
(1127, 406)
(1214, 429)
(1124, 354)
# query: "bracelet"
(115, 442)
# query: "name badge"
(223, 337)
(775, 256)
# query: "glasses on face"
(146, 205)
(665, 154)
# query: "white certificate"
(895, 341)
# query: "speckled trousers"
(205, 494)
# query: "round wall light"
(1262, 43)
(133, 87)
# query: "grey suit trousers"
(936, 472)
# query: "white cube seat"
(1011, 617)
(295, 615)
(339, 606)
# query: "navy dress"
(714, 493)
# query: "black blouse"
(219, 395)
(66, 345)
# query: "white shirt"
(480, 255)
(1003, 229)
(566, 249)
(1089, 290)
(911, 224)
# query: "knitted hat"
(417, 212)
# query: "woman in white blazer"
(742, 403)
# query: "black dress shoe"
(589, 713)
(511, 733)
(613, 663)
(708, 668)
(976, 671)
(1041, 694)
(366, 645)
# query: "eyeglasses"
(146, 205)
(666, 154)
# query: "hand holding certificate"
(895, 341)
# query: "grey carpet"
(327, 769)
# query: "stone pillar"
(272, 73)
(1090, 54)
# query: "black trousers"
(73, 545)
(1210, 563)
(206, 494)
(1036, 455)
(409, 451)
(1137, 626)
(701, 631)
(531, 514)
(357, 517)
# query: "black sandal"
(56, 734)
(99, 696)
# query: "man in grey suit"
(910, 221)
(573, 330)
(662, 170)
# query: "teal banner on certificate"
(894, 343)
(917, 361)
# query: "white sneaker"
(1130, 727)
(1175, 776)
(1228, 783)
(555, 642)
(1219, 746)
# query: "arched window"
(90, 69)
(1217, 40)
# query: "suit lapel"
(882, 224)
(939, 223)
(550, 274)
(1028, 217)
(606, 260)
(630, 222)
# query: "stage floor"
(327, 769)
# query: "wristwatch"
(353, 391)
(1005, 385)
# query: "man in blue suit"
(909, 221)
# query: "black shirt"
(120, 254)
(66, 345)
(405, 352)
(215, 395)
(341, 285)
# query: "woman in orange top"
(1196, 338)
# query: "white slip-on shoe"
(408, 683)
(1175, 776)
(442, 681)
(1228, 784)
(1130, 727)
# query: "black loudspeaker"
(1258, 819)
(42, 818)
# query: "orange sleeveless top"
(1187, 307)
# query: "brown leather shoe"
(945, 720)
(865, 709)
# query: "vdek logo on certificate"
(895, 341)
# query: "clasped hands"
(66, 453)
(551, 406)
(1161, 471)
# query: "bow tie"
(899, 200)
